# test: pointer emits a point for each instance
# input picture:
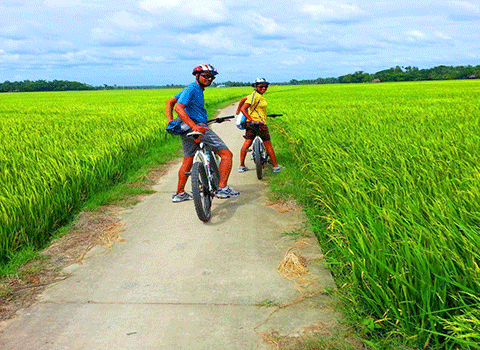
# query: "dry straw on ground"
(292, 266)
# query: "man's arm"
(169, 108)
(182, 113)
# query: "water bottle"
(184, 126)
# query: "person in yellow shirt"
(254, 108)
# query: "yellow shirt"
(258, 107)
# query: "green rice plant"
(60, 148)
(393, 171)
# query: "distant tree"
(42, 85)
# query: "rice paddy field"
(59, 148)
(389, 173)
(392, 178)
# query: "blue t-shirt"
(192, 97)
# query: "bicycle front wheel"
(214, 172)
(202, 197)
(257, 156)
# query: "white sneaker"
(226, 192)
(278, 168)
(180, 197)
(242, 169)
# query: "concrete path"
(177, 283)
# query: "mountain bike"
(204, 174)
(259, 153)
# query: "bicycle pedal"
(188, 173)
(248, 150)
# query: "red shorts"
(253, 130)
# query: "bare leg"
(243, 151)
(182, 178)
(270, 152)
(225, 166)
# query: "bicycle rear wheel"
(202, 197)
(257, 157)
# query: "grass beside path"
(356, 333)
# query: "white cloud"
(13, 3)
(442, 35)
(13, 45)
(208, 10)
(465, 5)
(296, 61)
(158, 5)
(416, 34)
(10, 58)
(10, 31)
(155, 59)
(66, 3)
(127, 21)
(109, 36)
(123, 52)
(217, 40)
(119, 29)
(220, 41)
(331, 10)
(102, 34)
(261, 24)
(79, 56)
(241, 37)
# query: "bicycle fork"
(206, 158)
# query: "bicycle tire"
(215, 172)
(202, 198)
(257, 157)
(264, 154)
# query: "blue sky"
(158, 42)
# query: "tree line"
(393, 74)
(400, 74)
(42, 85)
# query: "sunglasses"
(207, 76)
(262, 86)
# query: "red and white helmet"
(205, 68)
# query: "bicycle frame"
(206, 157)
(259, 154)
(205, 175)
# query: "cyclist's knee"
(225, 154)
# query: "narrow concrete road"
(177, 283)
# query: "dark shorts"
(211, 141)
(253, 130)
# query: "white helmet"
(260, 81)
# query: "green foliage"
(392, 178)
(400, 74)
(42, 85)
(464, 328)
(58, 149)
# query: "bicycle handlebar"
(220, 119)
(268, 115)
(196, 134)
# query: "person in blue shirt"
(190, 107)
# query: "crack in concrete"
(91, 302)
